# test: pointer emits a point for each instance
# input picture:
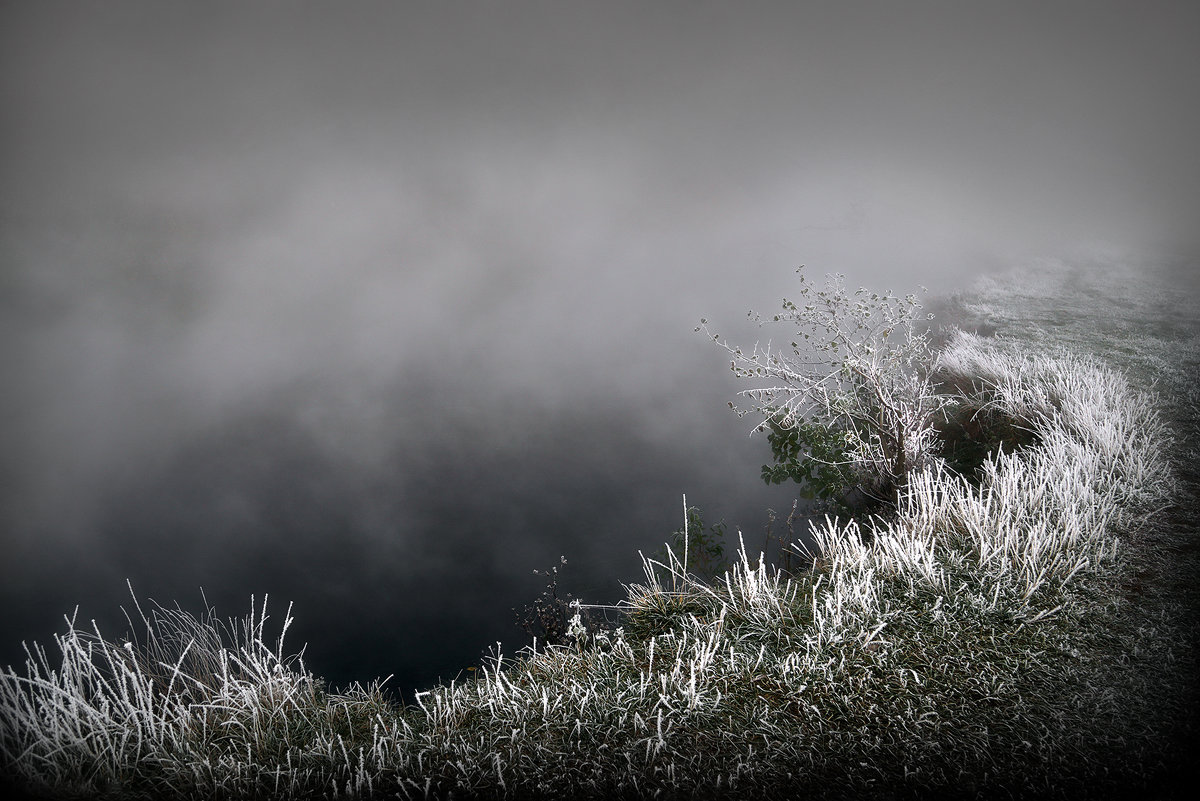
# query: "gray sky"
(341, 298)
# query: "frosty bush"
(850, 405)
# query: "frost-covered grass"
(978, 642)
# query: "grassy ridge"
(989, 641)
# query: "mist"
(377, 308)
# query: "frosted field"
(1021, 630)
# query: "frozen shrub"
(848, 401)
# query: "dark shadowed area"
(377, 307)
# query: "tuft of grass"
(192, 707)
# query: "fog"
(378, 308)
